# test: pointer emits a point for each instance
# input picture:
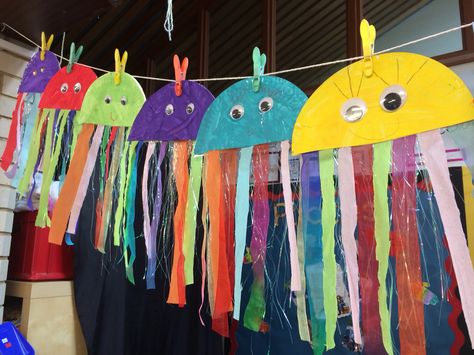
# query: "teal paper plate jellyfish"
(247, 116)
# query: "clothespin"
(73, 56)
(45, 46)
(180, 69)
(119, 65)
(367, 34)
(259, 61)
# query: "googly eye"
(392, 98)
(190, 108)
(265, 104)
(64, 88)
(42, 69)
(77, 87)
(237, 112)
(107, 100)
(123, 100)
(353, 110)
(169, 109)
(35, 72)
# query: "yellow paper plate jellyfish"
(369, 117)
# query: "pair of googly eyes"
(65, 88)
(35, 72)
(108, 100)
(237, 111)
(169, 109)
(391, 99)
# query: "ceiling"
(308, 32)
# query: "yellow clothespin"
(45, 46)
(119, 65)
(367, 33)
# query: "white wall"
(13, 59)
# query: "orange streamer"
(177, 293)
(219, 270)
(63, 205)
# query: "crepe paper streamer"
(432, 148)
(462, 136)
(328, 220)
(241, 218)
(407, 250)
(217, 267)
(28, 119)
(348, 206)
(301, 311)
(468, 189)
(205, 241)
(152, 257)
(111, 182)
(312, 234)
(362, 158)
(177, 293)
(13, 143)
(255, 311)
(146, 213)
(83, 184)
(192, 205)
(53, 148)
(381, 169)
(66, 198)
(290, 218)
(103, 206)
(32, 154)
(129, 234)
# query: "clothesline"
(317, 65)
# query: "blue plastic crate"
(12, 341)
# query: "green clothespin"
(73, 56)
(259, 61)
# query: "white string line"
(265, 74)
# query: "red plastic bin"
(32, 258)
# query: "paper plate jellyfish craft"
(246, 116)
(25, 128)
(173, 114)
(109, 108)
(377, 106)
(60, 102)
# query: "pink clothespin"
(179, 73)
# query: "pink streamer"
(433, 151)
(146, 211)
(290, 218)
(347, 198)
(85, 178)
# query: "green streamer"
(76, 129)
(328, 219)
(381, 170)
(51, 156)
(301, 312)
(33, 154)
(119, 223)
(192, 204)
(129, 233)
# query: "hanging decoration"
(109, 109)
(247, 116)
(23, 147)
(376, 106)
(60, 102)
(172, 117)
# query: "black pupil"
(392, 101)
(265, 106)
(124, 101)
(236, 113)
(107, 100)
